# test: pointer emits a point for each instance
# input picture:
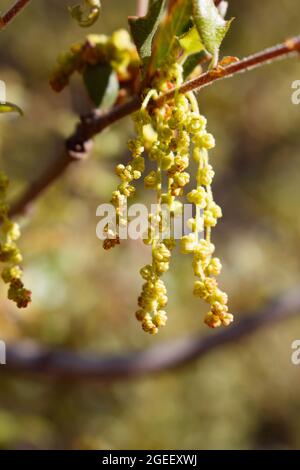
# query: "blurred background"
(243, 396)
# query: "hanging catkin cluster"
(170, 133)
(9, 252)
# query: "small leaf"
(102, 84)
(10, 108)
(191, 42)
(211, 26)
(143, 29)
(166, 44)
(93, 11)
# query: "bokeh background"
(243, 396)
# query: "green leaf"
(191, 42)
(211, 26)
(102, 84)
(6, 107)
(191, 63)
(89, 17)
(143, 29)
(166, 44)
(193, 50)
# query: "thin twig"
(35, 359)
(78, 144)
(77, 149)
(12, 13)
(291, 46)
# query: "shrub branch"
(12, 13)
(31, 358)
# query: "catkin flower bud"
(205, 175)
(188, 243)
(151, 180)
(205, 140)
(198, 197)
(214, 268)
(10, 273)
(160, 319)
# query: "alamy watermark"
(138, 222)
(296, 93)
(2, 353)
(295, 357)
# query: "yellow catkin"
(169, 134)
(10, 254)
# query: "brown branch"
(34, 359)
(12, 13)
(90, 126)
(77, 148)
(291, 46)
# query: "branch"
(79, 143)
(34, 359)
(77, 148)
(12, 13)
(281, 51)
